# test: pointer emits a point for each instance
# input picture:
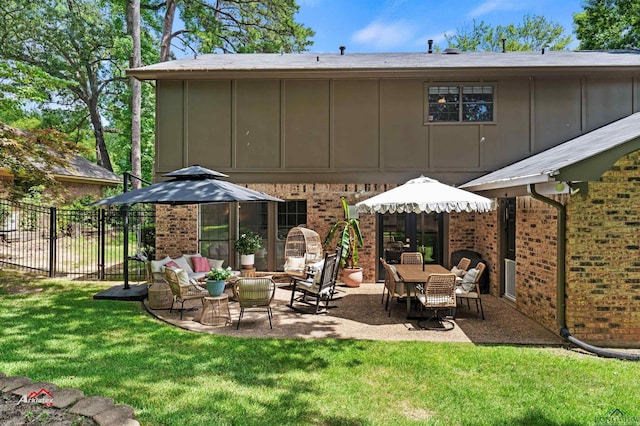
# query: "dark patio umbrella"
(190, 185)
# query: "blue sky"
(406, 25)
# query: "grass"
(54, 331)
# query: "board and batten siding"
(369, 130)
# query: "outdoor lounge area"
(357, 313)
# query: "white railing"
(510, 279)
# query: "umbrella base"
(135, 293)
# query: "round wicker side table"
(216, 311)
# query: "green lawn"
(56, 332)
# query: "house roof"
(79, 168)
(580, 159)
(486, 63)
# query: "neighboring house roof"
(486, 63)
(77, 168)
(81, 169)
(580, 159)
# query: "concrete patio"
(357, 313)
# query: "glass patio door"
(400, 232)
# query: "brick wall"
(603, 258)
(462, 234)
(487, 239)
(477, 232)
(536, 260)
(74, 190)
(176, 228)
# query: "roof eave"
(413, 72)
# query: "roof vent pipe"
(504, 44)
(430, 43)
(543, 50)
(342, 50)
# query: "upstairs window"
(460, 103)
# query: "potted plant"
(349, 239)
(216, 280)
(247, 245)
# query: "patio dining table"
(417, 274)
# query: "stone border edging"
(102, 410)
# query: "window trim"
(461, 86)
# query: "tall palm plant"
(350, 238)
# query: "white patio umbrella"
(426, 195)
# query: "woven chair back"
(411, 257)
(464, 263)
(303, 242)
(480, 267)
(440, 291)
(171, 277)
(254, 292)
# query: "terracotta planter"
(352, 277)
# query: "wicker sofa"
(195, 268)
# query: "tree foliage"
(533, 33)
(63, 62)
(608, 24)
(71, 41)
(32, 157)
(234, 26)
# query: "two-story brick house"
(312, 128)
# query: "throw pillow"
(469, 280)
(189, 258)
(295, 263)
(200, 264)
(215, 263)
(394, 273)
(183, 277)
(171, 264)
(458, 272)
(183, 263)
(158, 265)
(317, 266)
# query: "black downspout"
(561, 278)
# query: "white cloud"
(492, 5)
(381, 35)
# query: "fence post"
(53, 235)
(101, 243)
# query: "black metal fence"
(87, 244)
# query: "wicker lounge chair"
(183, 288)
(255, 293)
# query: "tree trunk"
(167, 30)
(102, 155)
(135, 61)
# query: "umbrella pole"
(125, 251)
(126, 246)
